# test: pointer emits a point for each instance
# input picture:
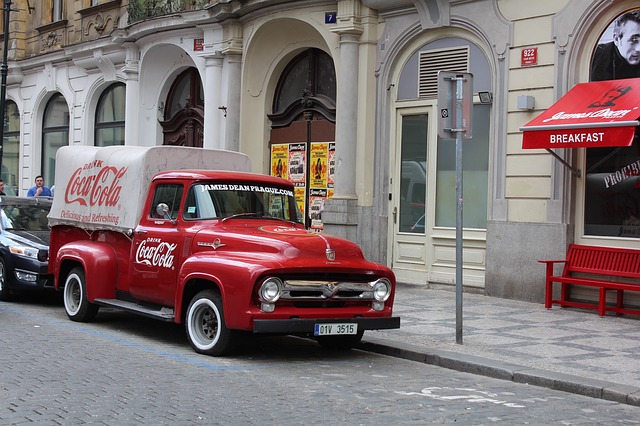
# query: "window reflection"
(55, 134)
(110, 116)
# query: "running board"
(162, 314)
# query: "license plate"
(335, 329)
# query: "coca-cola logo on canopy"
(95, 184)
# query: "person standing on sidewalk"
(39, 190)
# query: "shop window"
(612, 175)
(11, 148)
(110, 116)
(55, 134)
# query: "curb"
(593, 388)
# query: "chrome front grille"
(308, 290)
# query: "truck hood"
(279, 243)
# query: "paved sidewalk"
(567, 349)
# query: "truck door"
(157, 244)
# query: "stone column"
(212, 100)
(346, 119)
(132, 94)
(340, 215)
(232, 43)
(233, 69)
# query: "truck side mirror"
(162, 210)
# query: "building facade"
(341, 97)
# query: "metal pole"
(459, 124)
(3, 72)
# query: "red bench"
(595, 267)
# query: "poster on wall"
(332, 165)
(297, 163)
(317, 198)
(301, 198)
(612, 181)
(318, 165)
(289, 161)
(279, 160)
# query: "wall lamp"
(485, 97)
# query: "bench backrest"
(619, 262)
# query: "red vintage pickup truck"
(155, 231)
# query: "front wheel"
(205, 325)
(5, 293)
(76, 303)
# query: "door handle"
(141, 232)
(395, 215)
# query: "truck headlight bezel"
(270, 290)
(381, 290)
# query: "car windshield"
(24, 217)
(227, 200)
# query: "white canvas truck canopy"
(106, 187)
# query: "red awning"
(591, 115)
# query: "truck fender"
(230, 278)
(99, 262)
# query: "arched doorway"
(422, 205)
(302, 139)
(183, 123)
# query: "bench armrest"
(549, 267)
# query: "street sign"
(447, 100)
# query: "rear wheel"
(340, 342)
(205, 325)
(75, 299)
(5, 293)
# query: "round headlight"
(381, 290)
(270, 290)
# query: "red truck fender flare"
(234, 293)
(99, 262)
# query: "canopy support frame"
(574, 171)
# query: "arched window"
(55, 134)
(310, 72)
(183, 123)
(11, 148)
(302, 140)
(110, 116)
(186, 91)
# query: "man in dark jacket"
(621, 57)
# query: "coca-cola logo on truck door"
(95, 184)
(155, 252)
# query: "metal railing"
(139, 10)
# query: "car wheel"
(340, 342)
(75, 299)
(5, 293)
(205, 325)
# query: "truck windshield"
(226, 200)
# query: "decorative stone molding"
(50, 40)
(100, 19)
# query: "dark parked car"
(24, 245)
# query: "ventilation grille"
(455, 59)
